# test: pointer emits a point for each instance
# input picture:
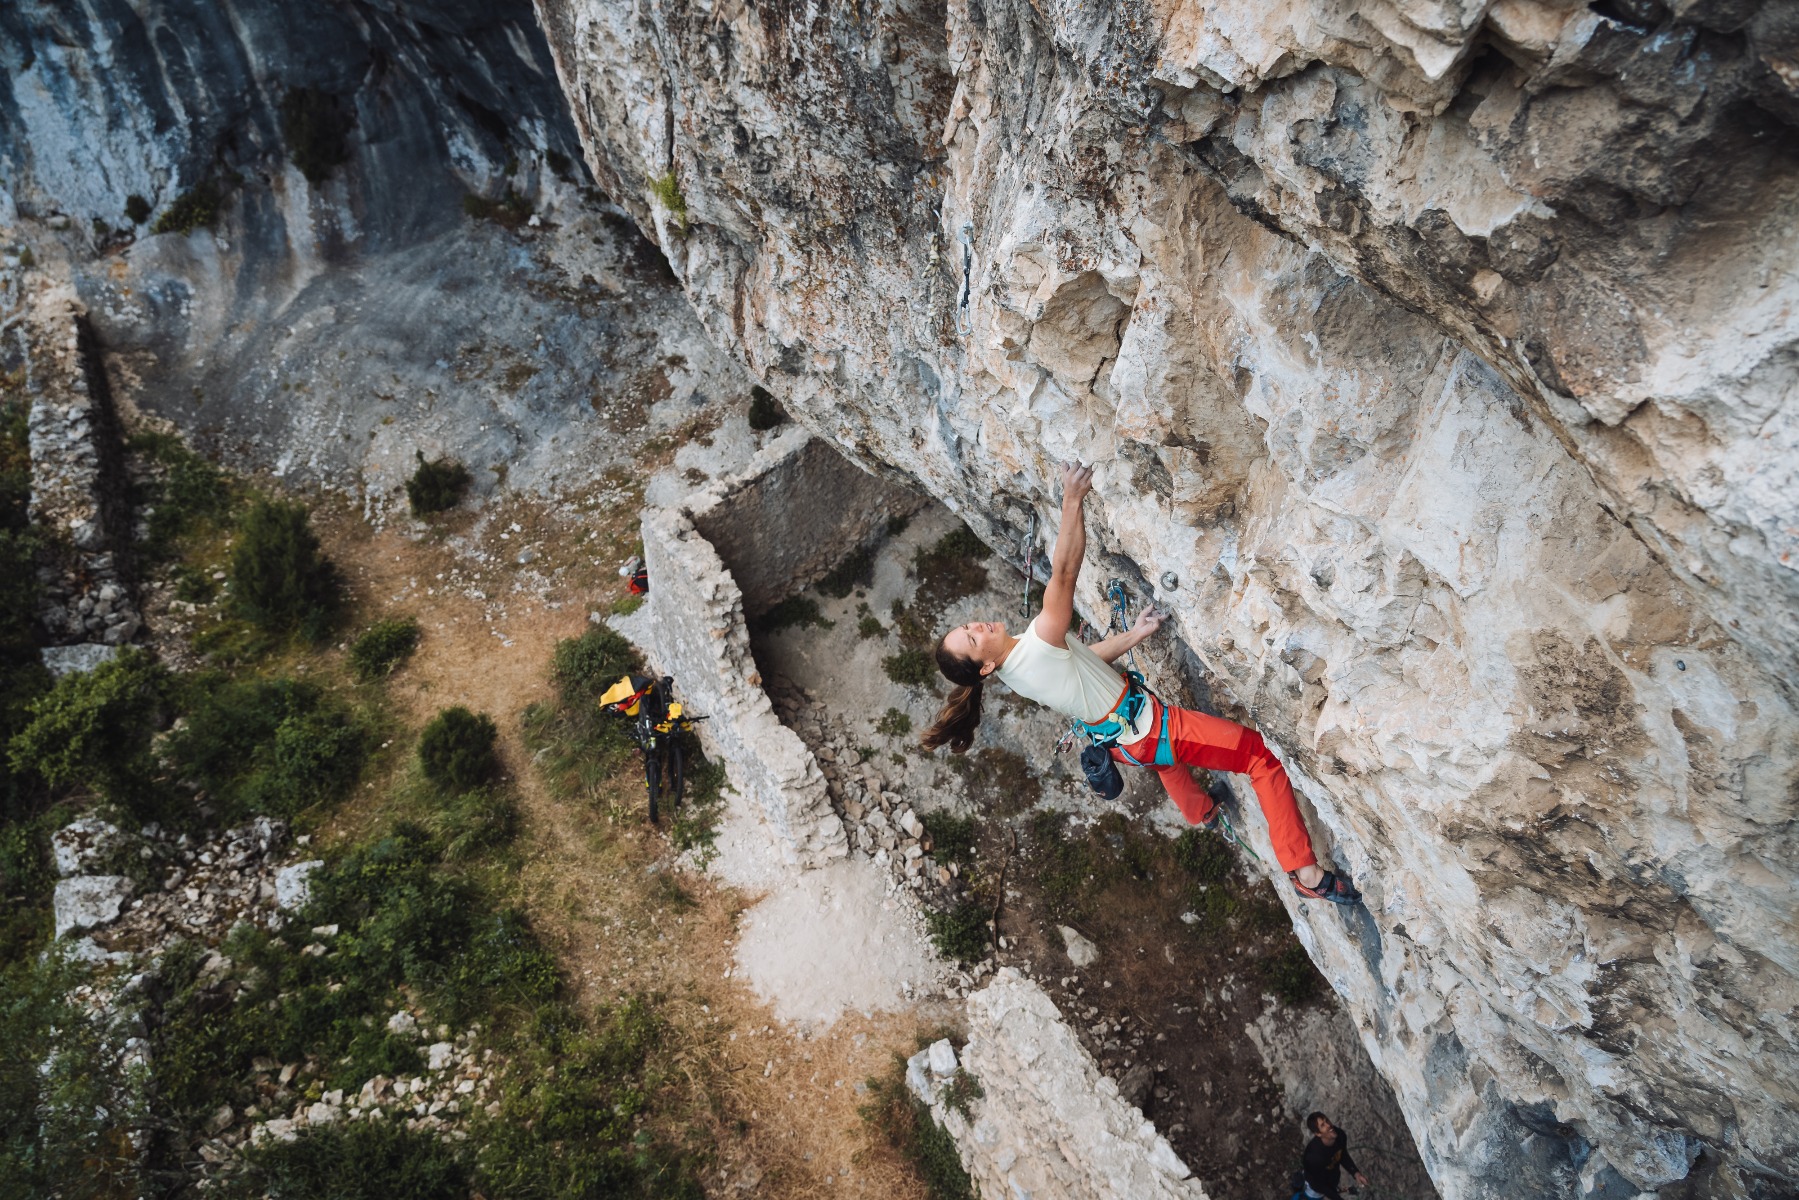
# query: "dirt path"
(778, 1108)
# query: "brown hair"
(956, 724)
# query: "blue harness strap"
(1106, 732)
(1164, 756)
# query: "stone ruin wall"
(794, 513)
(1445, 355)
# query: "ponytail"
(956, 724)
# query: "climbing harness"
(963, 325)
(1030, 559)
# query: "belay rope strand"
(1030, 560)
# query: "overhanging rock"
(733, 550)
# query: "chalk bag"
(1101, 772)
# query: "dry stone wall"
(1444, 355)
(790, 516)
(1048, 1124)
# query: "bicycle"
(658, 723)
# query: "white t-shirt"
(1074, 681)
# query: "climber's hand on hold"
(1361, 1179)
(1148, 621)
(1077, 481)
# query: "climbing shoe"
(1209, 822)
(1332, 887)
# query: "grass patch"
(911, 668)
(695, 826)
(510, 211)
(196, 208)
(961, 1092)
(584, 667)
(383, 647)
(362, 1160)
(667, 190)
(1000, 782)
(900, 1119)
(1291, 976)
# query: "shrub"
(194, 209)
(952, 837)
(266, 745)
(894, 723)
(93, 730)
(856, 570)
(1291, 976)
(437, 485)
(794, 611)
(870, 627)
(187, 495)
(384, 647)
(456, 749)
(765, 411)
(137, 209)
(667, 190)
(359, 1160)
(509, 212)
(904, 1122)
(960, 932)
(314, 126)
(280, 579)
(586, 666)
(963, 1090)
(911, 667)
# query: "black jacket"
(1324, 1164)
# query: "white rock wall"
(1049, 1125)
(1444, 353)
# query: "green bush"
(902, 1120)
(857, 570)
(953, 838)
(383, 647)
(437, 485)
(281, 581)
(137, 209)
(911, 667)
(1291, 976)
(573, 1113)
(63, 1098)
(359, 1160)
(584, 667)
(799, 611)
(93, 729)
(894, 723)
(667, 190)
(186, 496)
(315, 127)
(960, 932)
(456, 749)
(273, 746)
(510, 211)
(194, 209)
(765, 411)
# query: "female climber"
(1047, 665)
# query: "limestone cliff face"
(1445, 353)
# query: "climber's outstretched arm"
(1065, 559)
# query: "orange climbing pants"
(1216, 744)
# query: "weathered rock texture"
(794, 512)
(1049, 1125)
(1446, 354)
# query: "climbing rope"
(1231, 835)
(963, 325)
(1030, 560)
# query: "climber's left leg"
(1215, 744)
